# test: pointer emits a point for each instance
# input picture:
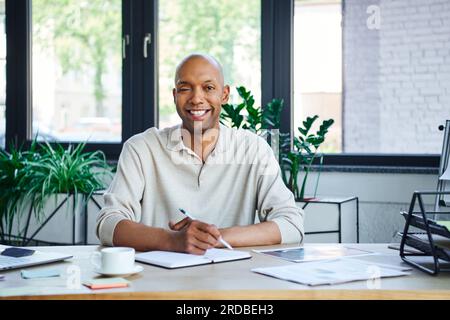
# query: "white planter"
(65, 227)
(93, 211)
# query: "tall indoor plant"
(304, 153)
(261, 120)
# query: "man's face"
(199, 94)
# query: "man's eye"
(209, 88)
(182, 89)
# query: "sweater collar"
(175, 140)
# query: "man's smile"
(198, 114)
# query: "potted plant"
(255, 119)
(303, 155)
(294, 161)
(30, 178)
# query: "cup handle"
(95, 260)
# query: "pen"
(222, 241)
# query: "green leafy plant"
(256, 119)
(306, 144)
(33, 176)
(302, 157)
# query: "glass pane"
(77, 70)
(318, 68)
(397, 75)
(230, 30)
(2, 74)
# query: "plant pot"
(62, 225)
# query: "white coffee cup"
(114, 260)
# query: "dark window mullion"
(277, 56)
(136, 69)
(127, 70)
(150, 66)
(18, 71)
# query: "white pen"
(222, 241)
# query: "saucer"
(136, 269)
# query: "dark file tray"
(435, 228)
(433, 242)
(413, 241)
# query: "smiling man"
(222, 176)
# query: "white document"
(172, 260)
(314, 253)
(332, 271)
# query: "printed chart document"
(305, 254)
(173, 260)
(332, 271)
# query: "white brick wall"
(397, 77)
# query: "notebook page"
(221, 255)
(171, 259)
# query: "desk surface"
(230, 280)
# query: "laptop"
(37, 258)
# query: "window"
(396, 76)
(230, 30)
(77, 70)
(318, 67)
(393, 59)
(380, 70)
(2, 74)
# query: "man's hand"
(193, 236)
(180, 224)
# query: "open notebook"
(173, 260)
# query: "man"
(221, 176)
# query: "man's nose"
(197, 96)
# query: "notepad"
(107, 283)
(174, 260)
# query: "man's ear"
(174, 93)
(225, 94)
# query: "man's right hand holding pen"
(194, 236)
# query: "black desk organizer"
(426, 242)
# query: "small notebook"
(174, 260)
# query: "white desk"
(230, 280)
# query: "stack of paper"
(332, 271)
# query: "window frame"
(137, 73)
(277, 76)
(140, 85)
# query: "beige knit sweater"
(157, 174)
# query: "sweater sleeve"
(275, 201)
(123, 197)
